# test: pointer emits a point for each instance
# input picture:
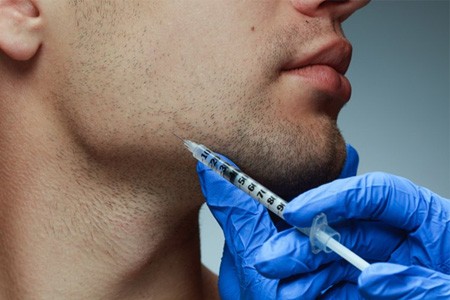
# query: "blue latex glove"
(392, 281)
(247, 226)
(419, 235)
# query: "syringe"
(321, 236)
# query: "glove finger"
(344, 290)
(392, 281)
(289, 252)
(374, 196)
(243, 282)
(246, 223)
(237, 281)
(229, 285)
(311, 285)
(351, 163)
(286, 254)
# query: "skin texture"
(99, 199)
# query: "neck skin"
(72, 227)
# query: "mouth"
(336, 54)
(323, 69)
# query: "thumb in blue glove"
(392, 281)
(351, 163)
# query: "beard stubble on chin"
(290, 159)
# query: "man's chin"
(288, 158)
(290, 179)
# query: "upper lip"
(335, 53)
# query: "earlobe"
(20, 28)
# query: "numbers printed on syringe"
(264, 197)
(269, 200)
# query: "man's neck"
(70, 229)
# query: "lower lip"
(325, 79)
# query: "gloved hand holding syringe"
(322, 236)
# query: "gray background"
(398, 116)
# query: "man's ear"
(20, 28)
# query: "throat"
(38, 264)
(73, 228)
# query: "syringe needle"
(177, 136)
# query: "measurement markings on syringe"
(214, 162)
(265, 197)
(268, 199)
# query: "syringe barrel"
(238, 178)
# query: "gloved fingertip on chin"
(351, 163)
